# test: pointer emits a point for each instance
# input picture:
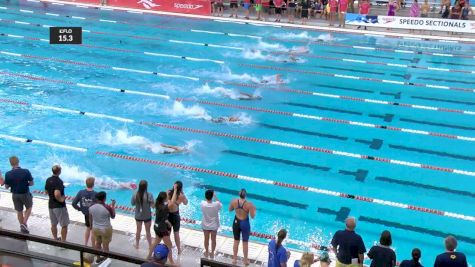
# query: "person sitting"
(416, 255)
(450, 258)
(173, 149)
(159, 258)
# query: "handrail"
(68, 245)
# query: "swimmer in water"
(109, 184)
(299, 50)
(173, 149)
(246, 96)
(278, 80)
(225, 119)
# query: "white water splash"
(194, 112)
(122, 137)
(216, 91)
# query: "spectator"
(143, 202)
(332, 9)
(58, 213)
(219, 8)
(456, 12)
(415, 9)
(265, 9)
(342, 8)
(162, 226)
(305, 8)
(19, 180)
(392, 8)
(351, 6)
(241, 225)
(416, 255)
(85, 198)
(465, 11)
(382, 255)
(160, 254)
(308, 259)
(100, 215)
(348, 245)
(364, 11)
(233, 5)
(450, 258)
(174, 212)
(445, 9)
(278, 9)
(425, 9)
(210, 220)
(247, 7)
(291, 5)
(258, 7)
(278, 255)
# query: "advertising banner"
(196, 7)
(428, 24)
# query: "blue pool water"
(309, 216)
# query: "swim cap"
(133, 186)
(160, 252)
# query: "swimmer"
(116, 185)
(246, 96)
(225, 119)
(278, 79)
(173, 149)
(299, 50)
(291, 59)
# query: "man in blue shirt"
(19, 180)
(450, 258)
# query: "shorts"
(266, 9)
(258, 7)
(343, 9)
(160, 234)
(102, 235)
(424, 15)
(174, 219)
(291, 10)
(241, 227)
(339, 264)
(219, 5)
(246, 6)
(144, 221)
(20, 200)
(278, 10)
(87, 221)
(233, 5)
(59, 215)
(333, 9)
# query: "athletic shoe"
(24, 229)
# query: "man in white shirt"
(210, 221)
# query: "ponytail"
(281, 235)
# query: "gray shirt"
(101, 216)
(143, 212)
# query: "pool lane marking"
(129, 209)
(352, 77)
(292, 186)
(83, 85)
(251, 139)
(277, 53)
(328, 119)
(284, 113)
(40, 142)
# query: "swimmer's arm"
(252, 211)
(171, 147)
(173, 200)
(184, 200)
(231, 206)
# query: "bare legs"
(207, 235)
(23, 216)
(168, 243)
(138, 233)
(64, 232)
(88, 235)
(245, 250)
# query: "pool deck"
(124, 236)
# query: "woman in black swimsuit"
(175, 198)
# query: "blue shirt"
(85, 199)
(276, 255)
(451, 259)
(297, 263)
(18, 180)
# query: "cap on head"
(56, 170)
(350, 223)
(450, 243)
(160, 252)
(243, 193)
(14, 161)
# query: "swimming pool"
(362, 125)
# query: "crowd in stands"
(347, 245)
(331, 9)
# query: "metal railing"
(65, 245)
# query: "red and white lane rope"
(253, 179)
(84, 85)
(131, 210)
(275, 112)
(332, 120)
(352, 77)
(308, 55)
(369, 48)
(245, 138)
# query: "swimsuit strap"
(241, 206)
